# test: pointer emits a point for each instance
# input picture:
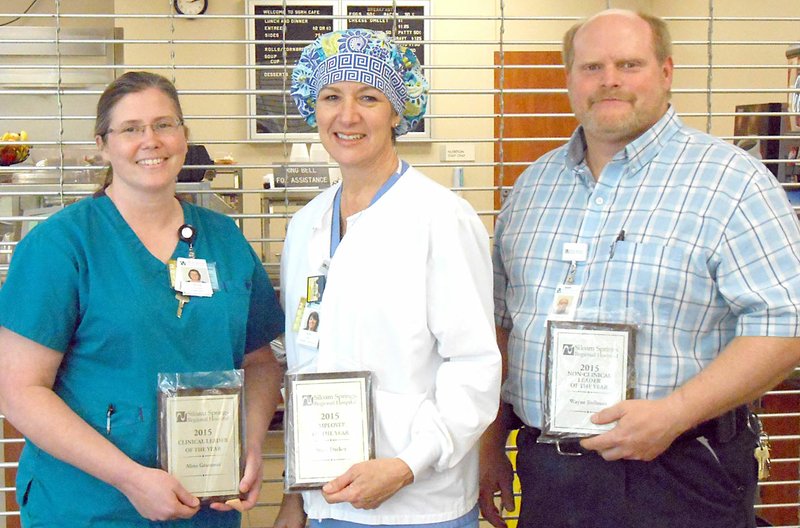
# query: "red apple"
(7, 155)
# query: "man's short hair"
(662, 41)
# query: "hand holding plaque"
(201, 430)
(329, 426)
(589, 368)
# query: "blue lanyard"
(336, 231)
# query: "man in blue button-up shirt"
(685, 237)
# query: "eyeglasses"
(162, 127)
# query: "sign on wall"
(278, 31)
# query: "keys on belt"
(762, 454)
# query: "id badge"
(192, 277)
(308, 335)
(565, 303)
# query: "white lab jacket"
(408, 297)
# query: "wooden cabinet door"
(529, 103)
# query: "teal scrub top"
(83, 284)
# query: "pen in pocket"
(109, 412)
(620, 238)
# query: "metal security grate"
(497, 102)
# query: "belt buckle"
(564, 452)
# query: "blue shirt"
(711, 251)
(83, 284)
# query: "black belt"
(565, 446)
(719, 430)
(722, 429)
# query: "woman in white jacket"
(407, 294)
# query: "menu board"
(271, 51)
(395, 22)
(386, 18)
(280, 29)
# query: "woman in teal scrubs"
(90, 317)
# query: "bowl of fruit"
(17, 152)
